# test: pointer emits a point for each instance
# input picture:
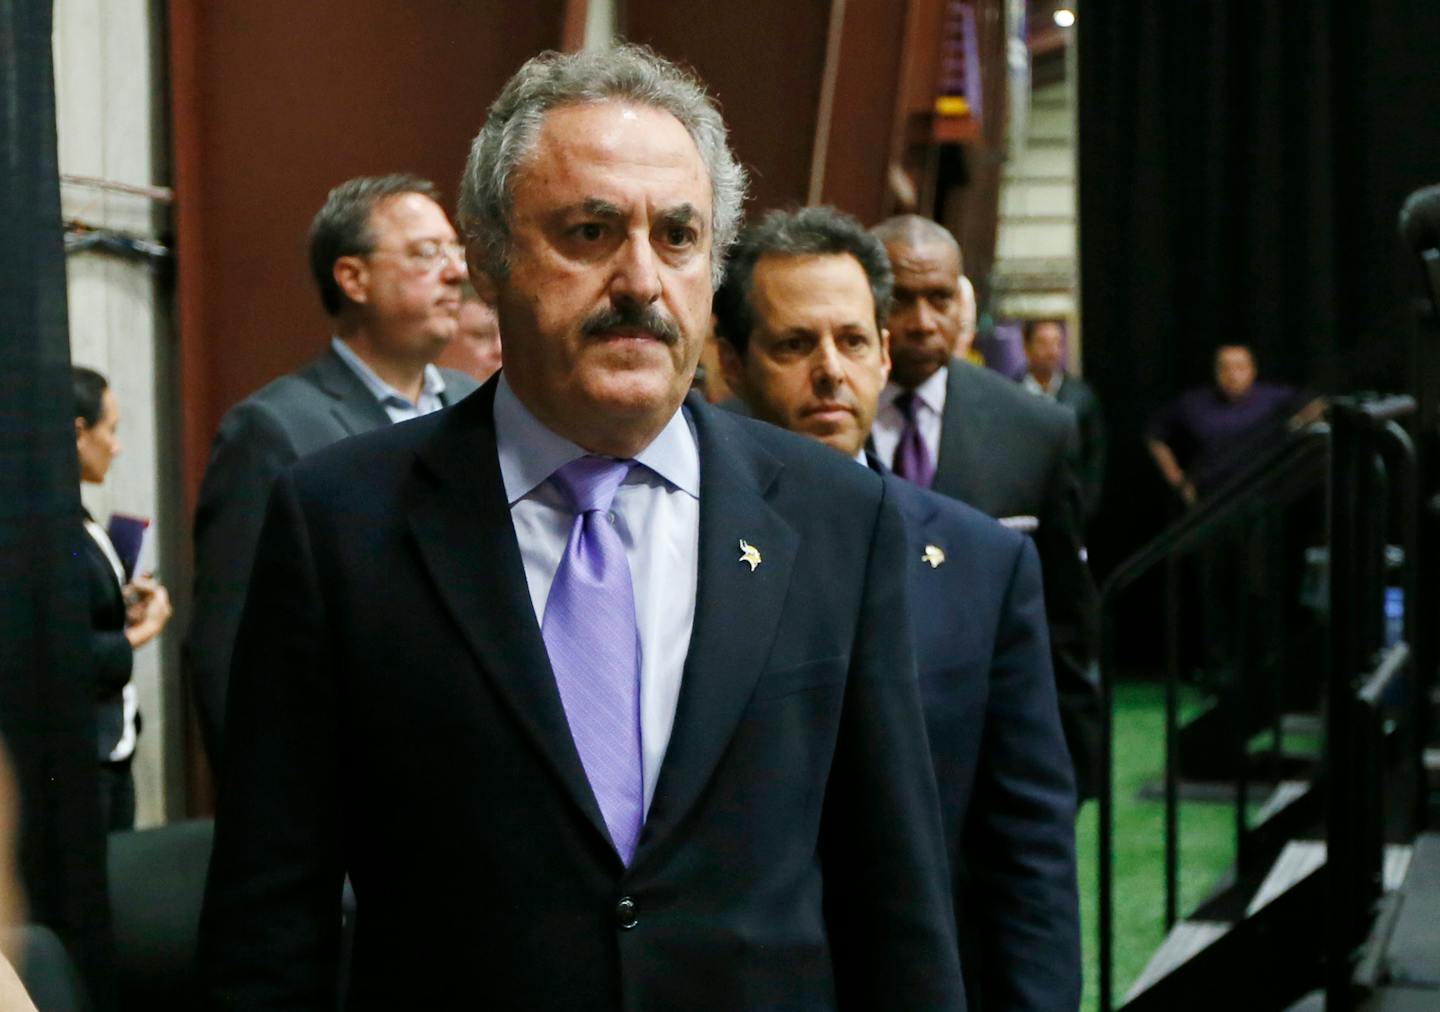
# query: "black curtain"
(1241, 165)
(46, 685)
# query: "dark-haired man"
(389, 267)
(645, 734)
(972, 434)
(802, 341)
(1045, 375)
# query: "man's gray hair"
(623, 73)
(808, 231)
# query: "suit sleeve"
(1092, 450)
(114, 659)
(887, 905)
(269, 932)
(1072, 604)
(250, 450)
(1020, 839)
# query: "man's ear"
(352, 274)
(485, 285)
(884, 355)
(732, 366)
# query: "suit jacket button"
(625, 913)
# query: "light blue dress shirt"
(399, 407)
(657, 514)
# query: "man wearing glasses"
(389, 267)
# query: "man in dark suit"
(389, 268)
(800, 320)
(1045, 375)
(971, 434)
(596, 693)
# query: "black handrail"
(1301, 456)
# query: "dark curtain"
(46, 693)
(1241, 166)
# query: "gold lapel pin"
(934, 555)
(749, 553)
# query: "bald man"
(971, 434)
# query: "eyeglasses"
(429, 256)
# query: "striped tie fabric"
(592, 638)
(912, 456)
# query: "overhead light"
(1064, 17)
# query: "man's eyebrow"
(680, 214)
(600, 208)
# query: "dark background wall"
(764, 62)
(1240, 173)
(275, 102)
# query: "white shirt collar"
(431, 385)
(931, 393)
(530, 453)
(1048, 389)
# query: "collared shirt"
(1044, 389)
(929, 408)
(399, 407)
(1213, 436)
(129, 697)
(657, 514)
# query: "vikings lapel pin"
(749, 553)
(934, 555)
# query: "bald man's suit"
(1009, 453)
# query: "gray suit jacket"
(258, 438)
(1009, 453)
(1079, 397)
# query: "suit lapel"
(461, 523)
(964, 435)
(737, 611)
(355, 407)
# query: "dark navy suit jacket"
(1007, 790)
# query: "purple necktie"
(912, 457)
(593, 642)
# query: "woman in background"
(123, 616)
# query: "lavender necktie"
(912, 457)
(593, 642)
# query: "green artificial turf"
(1207, 844)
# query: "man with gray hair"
(648, 736)
(388, 267)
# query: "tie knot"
(906, 403)
(590, 482)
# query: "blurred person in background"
(389, 269)
(124, 614)
(1045, 374)
(969, 323)
(1206, 434)
(476, 348)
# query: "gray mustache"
(632, 316)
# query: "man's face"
(969, 317)
(816, 361)
(925, 319)
(607, 301)
(1234, 371)
(476, 348)
(1044, 348)
(410, 295)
